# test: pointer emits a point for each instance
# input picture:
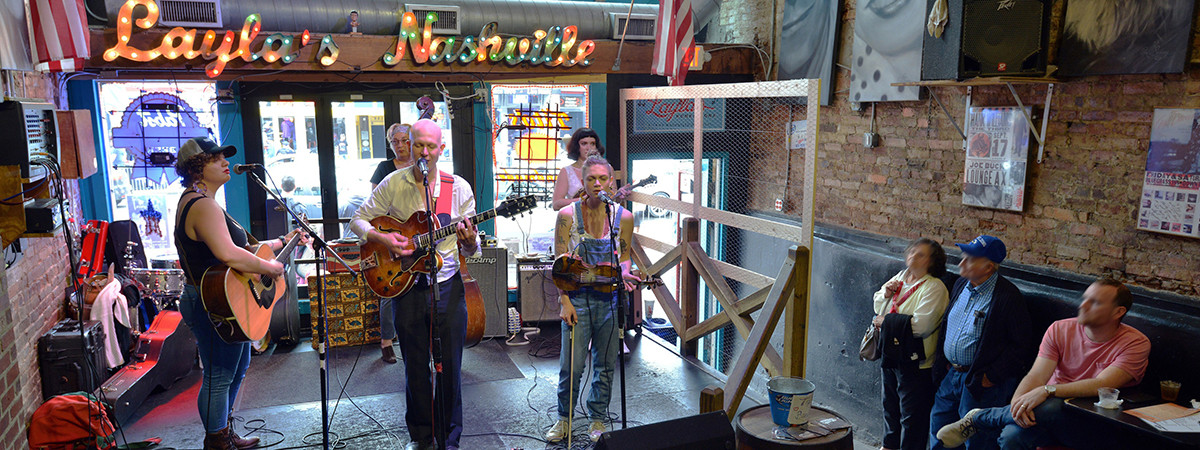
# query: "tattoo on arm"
(561, 234)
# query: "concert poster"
(1171, 183)
(997, 153)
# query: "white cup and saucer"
(1109, 398)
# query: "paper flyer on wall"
(1171, 186)
(997, 153)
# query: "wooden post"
(795, 325)
(712, 398)
(689, 291)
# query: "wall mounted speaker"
(988, 38)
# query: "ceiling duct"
(447, 17)
(190, 13)
(641, 26)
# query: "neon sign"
(555, 47)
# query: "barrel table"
(756, 431)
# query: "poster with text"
(997, 153)
(1172, 182)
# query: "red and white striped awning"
(60, 34)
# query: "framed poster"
(1171, 184)
(809, 33)
(1119, 37)
(997, 153)
(886, 50)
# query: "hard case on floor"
(165, 353)
(94, 237)
(69, 362)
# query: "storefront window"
(143, 125)
(533, 124)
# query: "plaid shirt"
(964, 324)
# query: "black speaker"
(491, 272)
(985, 38)
(708, 431)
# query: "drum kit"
(162, 283)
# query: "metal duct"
(519, 17)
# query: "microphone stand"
(319, 248)
(621, 297)
(440, 428)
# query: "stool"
(755, 431)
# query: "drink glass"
(1108, 397)
(1170, 390)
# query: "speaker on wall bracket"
(985, 38)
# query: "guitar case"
(285, 318)
(165, 353)
(94, 238)
(124, 234)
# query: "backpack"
(70, 421)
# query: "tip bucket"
(790, 398)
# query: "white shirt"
(926, 307)
(399, 195)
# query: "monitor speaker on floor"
(710, 431)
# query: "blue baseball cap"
(985, 246)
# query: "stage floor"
(509, 396)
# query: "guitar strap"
(445, 200)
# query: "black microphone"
(604, 197)
(239, 169)
(423, 165)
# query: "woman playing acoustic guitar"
(206, 237)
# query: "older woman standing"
(398, 142)
(206, 236)
(909, 310)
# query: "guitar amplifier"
(491, 272)
(349, 250)
(353, 310)
(539, 295)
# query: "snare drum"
(159, 281)
(164, 262)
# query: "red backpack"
(69, 421)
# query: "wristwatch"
(1050, 390)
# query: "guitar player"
(568, 185)
(589, 316)
(208, 237)
(400, 195)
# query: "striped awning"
(60, 34)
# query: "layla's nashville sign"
(555, 47)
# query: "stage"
(509, 396)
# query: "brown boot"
(221, 440)
(240, 442)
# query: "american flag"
(61, 36)
(673, 40)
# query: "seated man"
(1077, 357)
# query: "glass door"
(360, 138)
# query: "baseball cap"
(198, 145)
(985, 246)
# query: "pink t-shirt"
(1080, 358)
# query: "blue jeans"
(597, 325)
(953, 400)
(224, 364)
(1012, 436)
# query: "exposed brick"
(877, 178)
(1065, 215)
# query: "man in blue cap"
(987, 343)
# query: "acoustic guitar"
(572, 274)
(239, 304)
(388, 275)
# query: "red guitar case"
(94, 238)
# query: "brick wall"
(31, 297)
(1080, 215)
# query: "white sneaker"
(957, 433)
(596, 430)
(558, 431)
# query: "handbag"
(869, 349)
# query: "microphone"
(239, 169)
(423, 165)
(604, 197)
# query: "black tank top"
(194, 255)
